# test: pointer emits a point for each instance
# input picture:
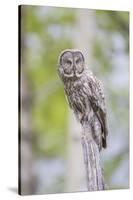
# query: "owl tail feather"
(94, 175)
(104, 143)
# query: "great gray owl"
(85, 94)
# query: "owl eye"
(77, 61)
(69, 62)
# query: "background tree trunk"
(76, 168)
(76, 177)
(76, 180)
(26, 179)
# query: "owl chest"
(74, 89)
(76, 96)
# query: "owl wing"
(97, 101)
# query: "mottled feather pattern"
(85, 96)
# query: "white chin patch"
(78, 75)
(69, 75)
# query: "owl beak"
(74, 69)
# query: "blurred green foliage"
(50, 110)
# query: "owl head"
(71, 63)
